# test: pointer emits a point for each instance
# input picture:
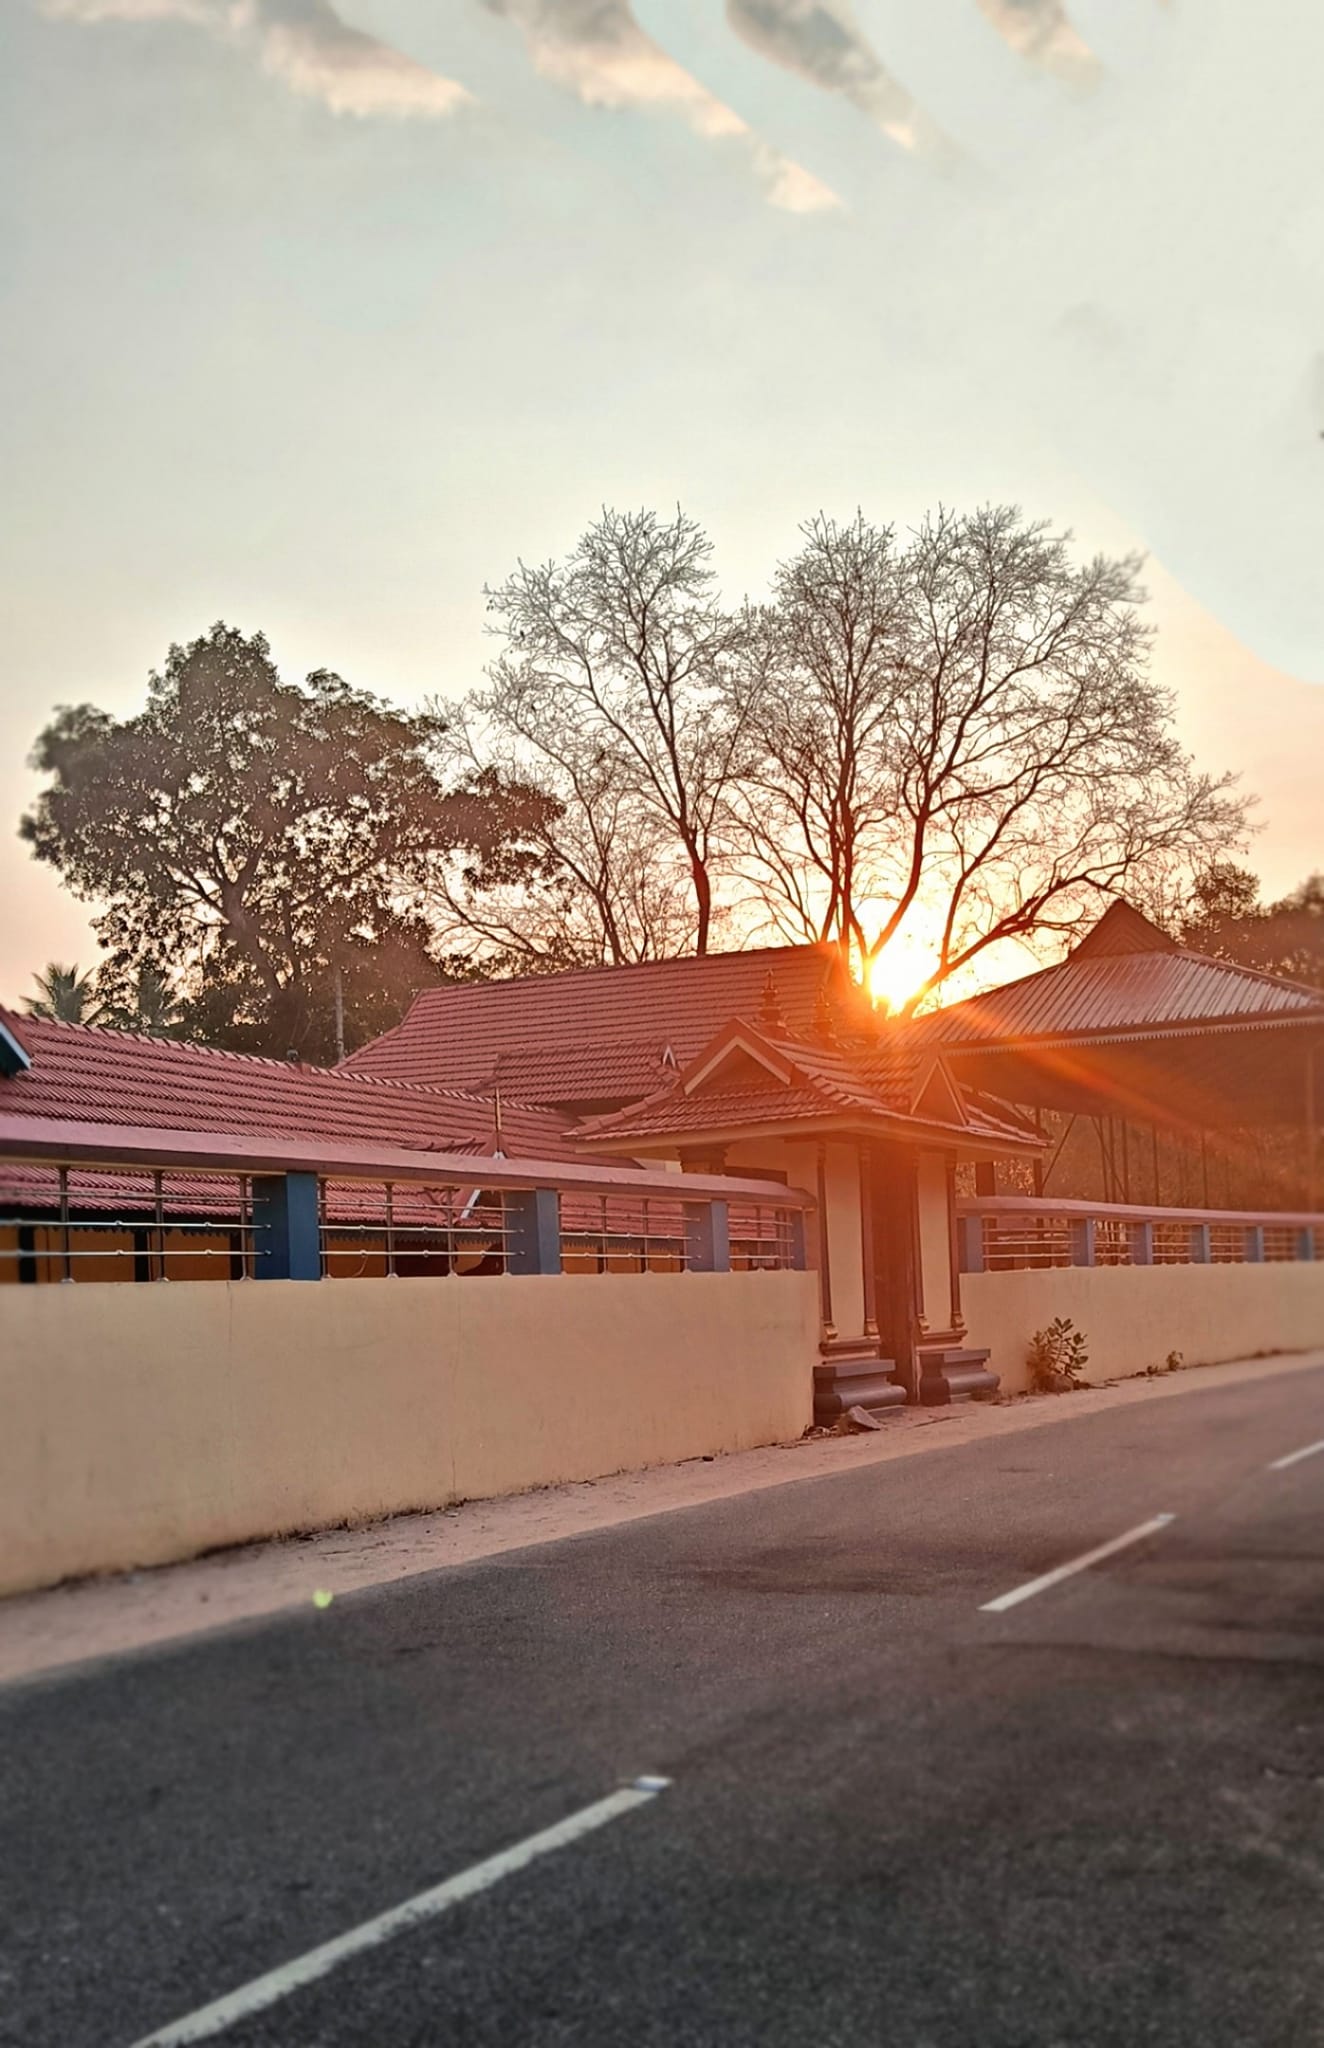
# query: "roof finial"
(825, 1015)
(770, 1009)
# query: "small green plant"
(1057, 1357)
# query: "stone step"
(843, 1383)
(953, 1373)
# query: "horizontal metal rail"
(1015, 1233)
(96, 1217)
(54, 1141)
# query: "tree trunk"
(703, 896)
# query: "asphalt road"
(1096, 1818)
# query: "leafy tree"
(257, 841)
(65, 995)
(1222, 894)
(1225, 916)
(142, 1000)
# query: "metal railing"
(91, 1203)
(62, 1223)
(1015, 1233)
(380, 1229)
(622, 1234)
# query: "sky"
(316, 321)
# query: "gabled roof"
(563, 1036)
(82, 1074)
(1121, 930)
(746, 1081)
(14, 1055)
(1126, 979)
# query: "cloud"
(597, 50)
(817, 41)
(1041, 31)
(204, 12)
(303, 43)
(309, 48)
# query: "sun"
(899, 971)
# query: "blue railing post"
(534, 1221)
(707, 1237)
(1142, 1244)
(286, 1227)
(970, 1244)
(1082, 1240)
(1201, 1244)
(1255, 1244)
(1305, 1243)
(800, 1242)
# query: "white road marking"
(1295, 1457)
(306, 1969)
(1077, 1564)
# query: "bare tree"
(620, 658)
(818, 694)
(966, 725)
(593, 879)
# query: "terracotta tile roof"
(675, 1112)
(1126, 978)
(119, 1077)
(586, 1073)
(862, 1073)
(572, 1025)
(868, 1082)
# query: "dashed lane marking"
(213, 2019)
(1295, 1457)
(1076, 1564)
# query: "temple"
(1122, 1106)
(1133, 1060)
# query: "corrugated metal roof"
(456, 1035)
(1121, 993)
(120, 1077)
(1124, 929)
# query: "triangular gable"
(937, 1096)
(1122, 929)
(737, 1058)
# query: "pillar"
(533, 1224)
(824, 1249)
(868, 1276)
(286, 1226)
(707, 1237)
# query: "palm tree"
(153, 1006)
(65, 995)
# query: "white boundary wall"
(1133, 1316)
(147, 1423)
